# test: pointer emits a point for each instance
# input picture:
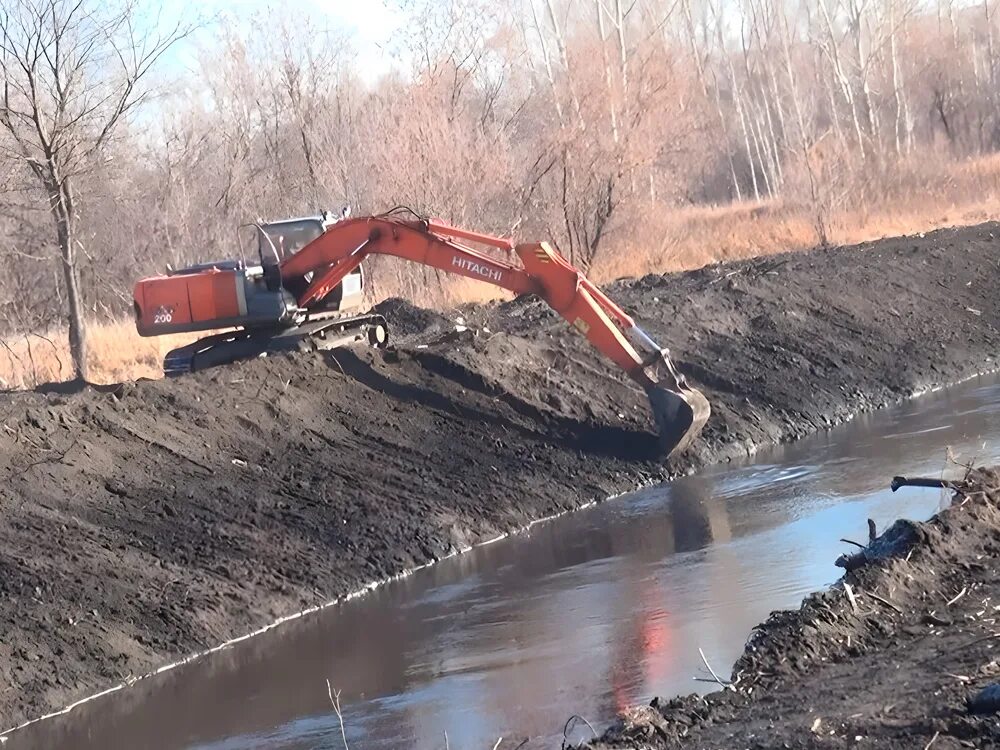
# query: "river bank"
(155, 519)
(893, 656)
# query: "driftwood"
(858, 559)
(894, 542)
(947, 484)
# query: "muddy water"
(585, 614)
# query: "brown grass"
(695, 237)
(117, 353)
(924, 195)
(930, 197)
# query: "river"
(584, 614)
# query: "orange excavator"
(306, 292)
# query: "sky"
(370, 25)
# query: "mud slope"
(895, 669)
(157, 518)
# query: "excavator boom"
(317, 271)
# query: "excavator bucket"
(680, 411)
(680, 416)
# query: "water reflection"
(587, 614)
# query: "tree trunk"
(62, 214)
(564, 58)
(608, 77)
(897, 84)
(703, 80)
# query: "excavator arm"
(680, 412)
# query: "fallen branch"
(876, 549)
(854, 561)
(569, 725)
(708, 666)
(947, 484)
(335, 702)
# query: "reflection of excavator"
(309, 278)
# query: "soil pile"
(153, 519)
(891, 657)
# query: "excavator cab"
(278, 241)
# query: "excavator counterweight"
(307, 287)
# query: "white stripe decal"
(241, 292)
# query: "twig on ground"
(499, 740)
(952, 458)
(446, 745)
(933, 740)
(569, 725)
(851, 541)
(722, 278)
(335, 361)
(885, 601)
(334, 696)
(54, 459)
(850, 595)
(957, 596)
(974, 641)
(708, 666)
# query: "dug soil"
(902, 653)
(144, 522)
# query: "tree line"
(585, 122)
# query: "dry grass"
(928, 196)
(117, 353)
(695, 237)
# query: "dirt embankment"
(154, 519)
(896, 667)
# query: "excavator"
(306, 291)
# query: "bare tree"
(608, 126)
(72, 73)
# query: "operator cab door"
(280, 240)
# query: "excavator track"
(314, 335)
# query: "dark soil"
(148, 521)
(898, 668)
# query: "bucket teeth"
(680, 416)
